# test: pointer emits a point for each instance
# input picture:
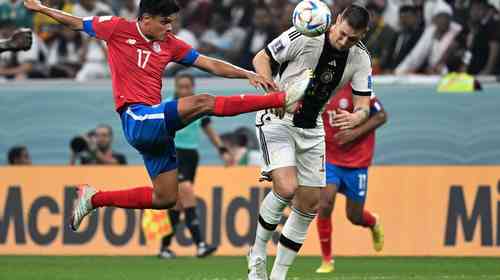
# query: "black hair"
(408, 9)
(162, 8)
(374, 7)
(357, 17)
(107, 126)
(185, 75)
(14, 153)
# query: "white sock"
(291, 239)
(270, 213)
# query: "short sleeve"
(183, 53)
(286, 46)
(362, 83)
(100, 27)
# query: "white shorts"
(283, 145)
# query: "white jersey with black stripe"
(332, 69)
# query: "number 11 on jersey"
(140, 55)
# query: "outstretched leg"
(193, 107)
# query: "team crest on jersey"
(156, 47)
(343, 103)
(326, 77)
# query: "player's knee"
(286, 193)
(325, 206)
(164, 200)
(355, 218)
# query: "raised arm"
(262, 64)
(71, 21)
(225, 69)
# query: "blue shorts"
(352, 182)
(151, 131)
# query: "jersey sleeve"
(183, 53)
(375, 105)
(362, 83)
(286, 46)
(100, 27)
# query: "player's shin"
(369, 219)
(270, 213)
(291, 240)
(324, 225)
(136, 198)
(173, 215)
(193, 224)
(235, 105)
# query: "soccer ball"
(311, 17)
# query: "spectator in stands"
(407, 37)
(129, 9)
(482, 39)
(96, 148)
(94, 57)
(14, 11)
(339, 5)
(64, 52)
(18, 155)
(282, 14)
(380, 38)
(457, 79)
(258, 35)
(430, 53)
(241, 12)
(222, 39)
(197, 15)
(46, 27)
(89, 8)
(19, 64)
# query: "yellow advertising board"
(425, 210)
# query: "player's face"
(183, 87)
(342, 36)
(103, 138)
(157, 27)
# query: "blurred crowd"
(405, 36)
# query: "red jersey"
(357, 154)
(137, 63)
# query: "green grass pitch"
(233, 268)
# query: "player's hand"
(346, 136)
(33, 5)
(21, 40)
(264, 83)
(345, 120)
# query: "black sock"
(174, 220)
(193, 225)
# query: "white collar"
(140, 32)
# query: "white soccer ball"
(312, 17)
